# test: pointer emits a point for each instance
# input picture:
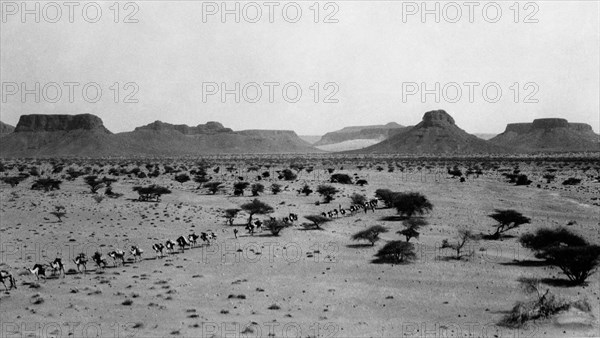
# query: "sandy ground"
(300, 284)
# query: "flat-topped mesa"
(519, 128)
(437, 118)
(210, 127)
(546, 124)
(549, 123)
(41, 123)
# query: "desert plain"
(305, 282)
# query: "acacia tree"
(412, 203)
(327, 191)
(59, 212)
(412, 225)
(464, 236)
(275, 226)
(275, 188)
(387, 196)
(257, 188)
(213, 187)
(507, 220)
(256, 207)
(317, 220)
(371, 234)
(396, 252)
(575, 256)
(358, 199)
(306, 190)
(151, 192)
(182, 178)
(239, 187)
(230, 214)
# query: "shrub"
(571, 181)
(275, 226)
(522, 180)
(328, 192)
(412, 203)
(275, 188)
(230, 214)
(239, 187)
(182, 178)
(396, 252)
(507, 220)
(358, 199)
(412, 225)
(13, 180)
(257, 188)
(306, 190)
(371, 234)
(47, 184)
(213, 187)
(362, 182)
(288, 175)
(152, 192)
(545, 305)
(341, 178)
(387, 196)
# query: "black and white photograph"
(306, 168)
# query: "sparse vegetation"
(371, 234)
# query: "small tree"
(256, 207)
(47, 184)
(275, 188)
(257, 188)
(412, 225)
(275, 226)
(566, 250)
(13, 180)
(152, 192)
(306, 190)
(396, 252)
(577, 262)
(507, 220)
(239, 187)
(358, 199)
(412, 203)
(59, 212)
(464, 236)
(213, 187)
(288, 175)
(230, 214)
(387, 196)
(371, 234)
(362, 182)
(317, 220)
(341, 178)
(182, 178)
(327, 191)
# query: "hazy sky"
(373, 56)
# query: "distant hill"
(548, 135)
(437, 133)
(374, 132)
(485, 136)
(5, 129)
(85, 135)
(312, 139)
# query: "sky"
(361, 63)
